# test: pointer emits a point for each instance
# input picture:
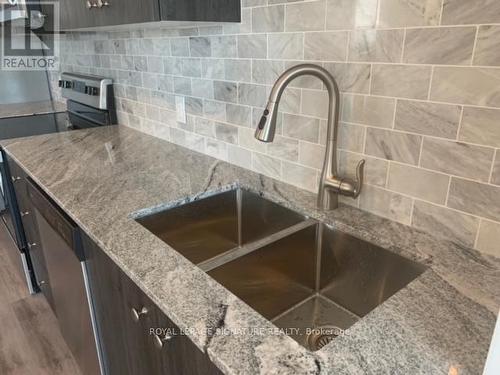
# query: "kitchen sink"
(309, 279)
(210, 227)
(317, 282)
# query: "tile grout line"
(478, 231)
(476, 37)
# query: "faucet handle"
(353, 188)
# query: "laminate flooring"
(30, 339)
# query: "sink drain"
(321, 336)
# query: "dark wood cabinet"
(201, 10)
(32, 239)
(128, 322)
(80, 14)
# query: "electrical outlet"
(180, 106)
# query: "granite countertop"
(442, 320)
(31, 108)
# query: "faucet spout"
(330, 184)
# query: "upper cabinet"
(84, 14)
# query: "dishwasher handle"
(57, 219)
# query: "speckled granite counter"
(443, 319)
(31, 108)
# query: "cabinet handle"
(90, 5)
(32, 244)
(159, 341)
(102, 3)
(136, 315)
(41, 283)
(15, 178)
(25, 213)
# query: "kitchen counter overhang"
(100, 177)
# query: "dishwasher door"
(60, 243)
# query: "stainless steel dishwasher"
(61, 245)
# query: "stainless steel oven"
(90, 103)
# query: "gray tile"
(350, 14)
(239, 115)
(489, 238)
(439, 120)
(401, 13)
(459, 159)
(458, 12)
(266, 165)
(309, 16)
(266, 71)
(445, 223)
(311, 155)
(401, 81)
(191, 67)
(376, 45)
(202, 88)
(351, 137)
(395, 146)
(225, 132)
(226, 91)
(212, 68)
(329, 46)
(252, 46)
(475, 198)
(268, 19)
(385, 203)
(182, 86)
(368, 110)
(418, 183)
(440, 45)
(200, 46)
(284, 148)
(288, 46)
(303, 177)
(224, 46)
(214, 110)
(487, 50)
(179, 47)
(300, 127)
(351, 77)
(254, 95)
(238, 70)
(481, 125)
(240, 156)
(477, 86)
(315, 103)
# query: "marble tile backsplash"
(420, 86)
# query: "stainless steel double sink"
(309, 279)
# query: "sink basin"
(203, 229)
(316, 282)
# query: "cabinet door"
(73, 14)
(201, 10)
(30, 229)
(120, 12)
(128, 322)
(108, 300)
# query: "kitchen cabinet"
(19, 180)
(78, 14)
(125, 317)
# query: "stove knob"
(68, 84)
(61, 83)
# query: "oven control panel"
(87, 89)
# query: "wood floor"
(30, 340)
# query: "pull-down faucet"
(331, 185)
